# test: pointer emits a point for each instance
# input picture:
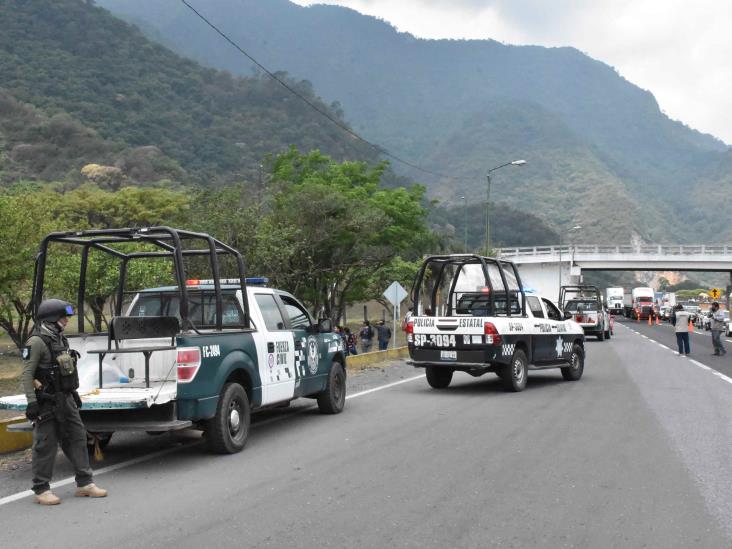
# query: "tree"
(663, 284)
(90, 207)
(331, 226)
(30, 212)
(26, 217)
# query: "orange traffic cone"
(650, 320)
(691, 327)
(637, 317)
(658, 320)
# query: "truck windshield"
(645, 299)
(202, 307)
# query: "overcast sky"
(680, 50)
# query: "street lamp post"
(488, 200)
(575, 228)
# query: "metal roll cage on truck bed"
(473, 314)
(248, 347)
(169, 240)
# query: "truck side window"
(535, 306)
(270, 312)
(551, 311)
(299, 318)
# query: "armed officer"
(50, 381)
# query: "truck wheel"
(515, 374)
(438, 377)
(333, 399)
(601, 336)
(576, 364)
(608, 334)
(228, 430)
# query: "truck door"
(560, 346)
(541, 339)
(308, 347)
(277, 360)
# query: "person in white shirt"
(681, 323)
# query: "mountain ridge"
(413, 96)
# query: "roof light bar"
(253, 281)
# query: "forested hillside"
(78, 85)
(600, 151)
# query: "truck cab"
(614, 300)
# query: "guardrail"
(661, 250)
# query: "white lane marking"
(386, 386)
(697, 363)
(141, 459)
(108, 469)
(723, 377)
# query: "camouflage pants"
(71, 434)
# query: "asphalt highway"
(636, 454)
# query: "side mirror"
(567, 315)
(325, 326)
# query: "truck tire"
(576, 364)
(228, 430)
(438, 377)
(601, 336)
(608, 335)
(515, 374)
(333, 399)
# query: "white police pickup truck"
(473, 315)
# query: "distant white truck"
(643, 298)
(614, 300)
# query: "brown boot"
(91, 491)
(47, 498)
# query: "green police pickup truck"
(198, 354)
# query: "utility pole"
(465, 223)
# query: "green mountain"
(600, 152)
(78, 85)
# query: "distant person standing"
(680, 321)
(350, 341)
(383, 334)
(716, 325)
(366, 335)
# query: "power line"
(312, 105)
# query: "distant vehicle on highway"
(642, 302)
(627, 303)
(614, 300)
(666, 311)
(585, 304)
(472, 314)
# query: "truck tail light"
(410, 331)
(188, 361)
(492, 337)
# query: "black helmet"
(53, 310)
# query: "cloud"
(676, 49)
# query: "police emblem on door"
(312, 355)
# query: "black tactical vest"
(60, 375)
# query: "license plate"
(448, 355)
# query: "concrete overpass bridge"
(545, 268)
